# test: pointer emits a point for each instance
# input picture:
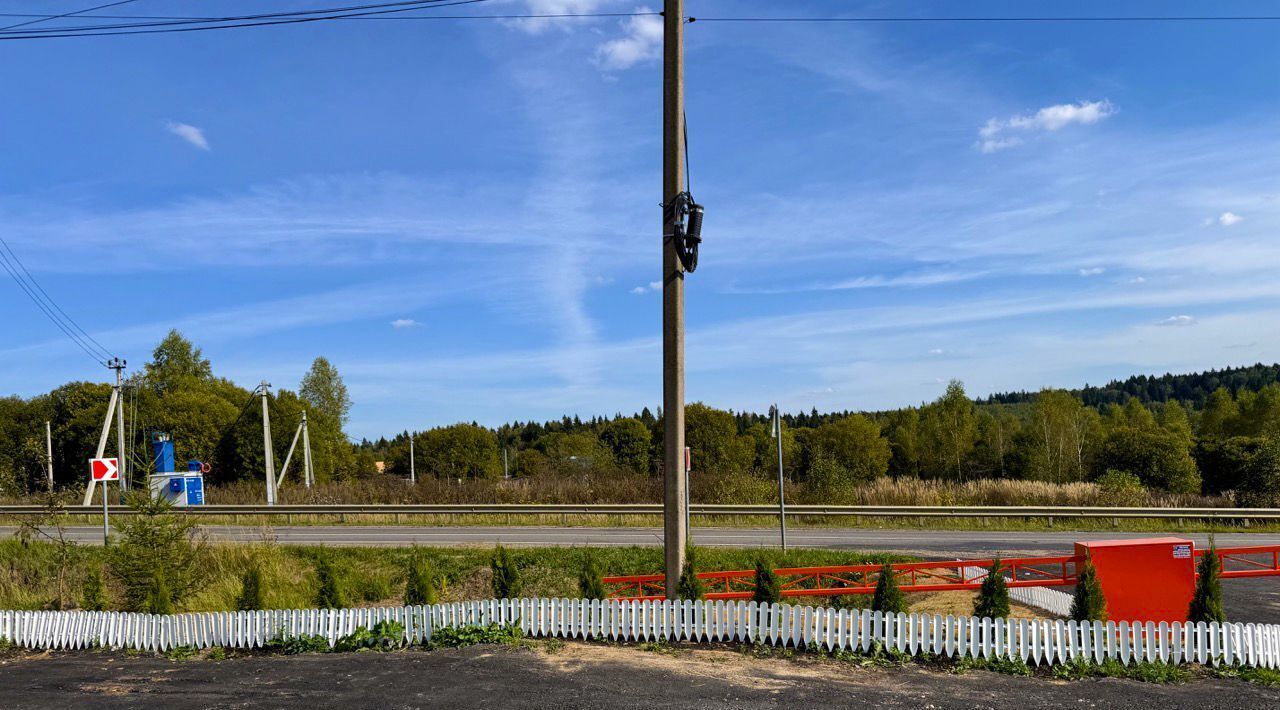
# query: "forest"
(1214, 434)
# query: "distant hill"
(1193, 388)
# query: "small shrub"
(420, 586)
(330, 594)
(250, 598)
(993, 597)
(384, 636)
(159, 599)
(182, 653)
(93, 596)
(888, 598)
(1007, 666)
(1121, 488)
(217, 653)
(506, 580)
(294, 645)
(591, 581)
(1206, 603)
(690, 585)
(1089, 604)
(458, 636)
(768, 589)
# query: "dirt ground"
(572, 675)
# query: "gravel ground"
(575, 676)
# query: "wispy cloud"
(538, 25)
(998, 134)
(1092, 271)
(401, 323)
(1227, 219)
(641, 41)
(1178, 320)
(188, 133)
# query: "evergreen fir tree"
(768, 589)
(993, 597)
(329, 595)
(888, 598)
(93, 595)
(420, 584)
(1089, 603)
(690, 586)
(590, 580)
(506, 580)
(159, 599)
(250, 598)
(1206, 603)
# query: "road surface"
(925, 543)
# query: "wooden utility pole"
(675, 532)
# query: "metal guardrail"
(793, 511)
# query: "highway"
(925, 543)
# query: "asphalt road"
(925, 543)
(574, 676)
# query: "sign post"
(101, 471)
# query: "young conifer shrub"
(159, 599)
(590, 580)
(329, 595)
(1206, 603)
(768, 589)
(420, 584)
(689, 586)
(888, 598)
(993, 597)
(93, 596)
(250, 597)
(1089, 603)
(506, 582)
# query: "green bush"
(1089, 604)
(93, 596)
(250, 598)
(590, 580)
(384, 636)
(420, 585)
(1206, 603)
(458, 636)
(506, 581)
(993, 597)
(293, 645)
(329, 595)
(689, 586)
(155, 559)
(1121, 488)
(768, 589)
(888, 598)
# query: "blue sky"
(463, 216)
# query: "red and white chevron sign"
(104, 469)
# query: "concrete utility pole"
(308, 475)
(48, 444)
(266, 445)
(413, 472)
(674, 489)
(118, 365)
(782, 495)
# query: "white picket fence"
(1050, 600)
(1035, 642)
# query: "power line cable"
(4, 261)
(1061, 18)
(65, 14)
(106, 354)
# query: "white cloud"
(1138, 280)
(653, 286)
(188, 133)
(1178, 320)
(405, 323)
(1227, 219)
(996, 133)
(639, 290)
(937, 351)
(537, 25)
(1092, 271)
(641, 41)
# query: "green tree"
(505, 580)
(855, 444)
(329, 588)
(1218, 419)
(575, 451)
(712, 434)
(420, 583)
(459, 451)
(155, 557)
(1161, 459)
(888, 598)
(993, 596)
(93, 596)
(1225, 464)
(328, 405)
(904, 435)
(1062, 431)
(1174, 419)
(1206, 602)
(768, 590)
(689, 586)
(176, 362)
(323, 389)
(1089, 603)
(1260, 483)
(158, 599)
(250, 597)
(629, 441)
(1121, 488)
(950, 432)
(590, 580)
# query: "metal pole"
(675, 531)
(688, 500)
(782, 496)
(413, 473)
(106, 523)
(266, 447)
(48, 443)
(308, 474)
